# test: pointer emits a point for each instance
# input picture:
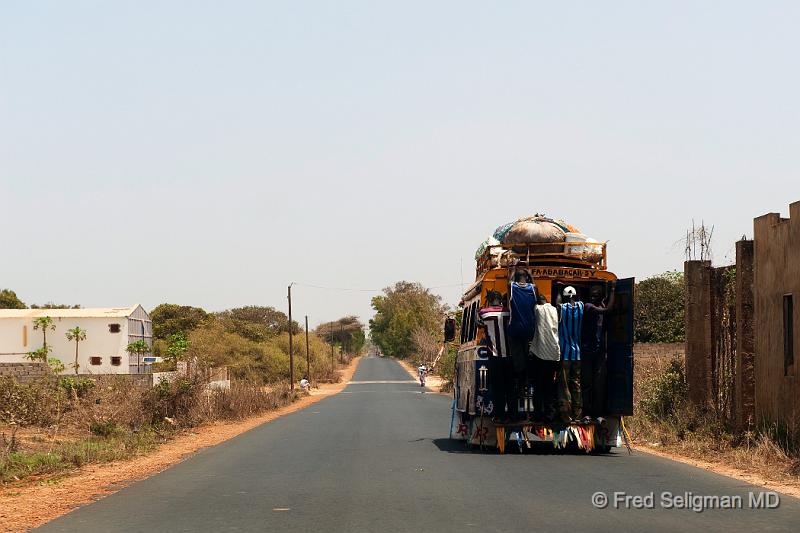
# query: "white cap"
(569, 291)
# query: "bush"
(103, 429)
(446, 368)
(25, 404)
(175, 400)
(247, 399)
(665, 393)
(77, 386)
(659, 308)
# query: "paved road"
(375, 458)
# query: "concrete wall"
(699, 347)
(776, 273)
(711, 337)
(744, 384)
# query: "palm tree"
(138, 348)
(44, 323)
(76, 334)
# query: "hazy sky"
(208, 153)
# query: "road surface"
(376, 457)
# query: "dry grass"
(48, 428)
(685, 431)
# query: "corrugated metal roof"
(100, 312)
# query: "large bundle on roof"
(537, 229)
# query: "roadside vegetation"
(408, 324)
(58, 423)
(665, 420)
(52, 426)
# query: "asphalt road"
(376, 458)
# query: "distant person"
(305, 385)
(423, 371)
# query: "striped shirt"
(496, 321)
(569, 331)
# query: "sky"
(211, 153)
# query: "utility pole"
(332, 364)
(291, 349)
(308, 356)
(341, 334)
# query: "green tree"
(169, 319)
(347, 332)
(44, 323)
(76, 334)
(177, 345)
(52, 305)
(9, 300)
(256, 323)
(400, 311)
(659, 308)
(138, 348)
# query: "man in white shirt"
(305, 385)
(547, 352)
(423, 371)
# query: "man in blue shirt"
(521, 326)
(570, 322)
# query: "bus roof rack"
(579, 254)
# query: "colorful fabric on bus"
(569, 331)
(496, 321)
(522, 323)
(545, 343)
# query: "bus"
(552, 266)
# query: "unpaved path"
(27, 506)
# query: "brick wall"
(23, 372)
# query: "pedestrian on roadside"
(422, 371)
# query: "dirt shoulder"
(433, 381)
(789, 487)
(28, 505)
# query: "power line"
(350, 289)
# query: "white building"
(108, 333)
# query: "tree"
(256, 323)
(9, 300)
(138, 348)
(347, 332)
(177, 345)
(76, 334)
(169, 319)
(52, 305)
(659, 308)
(400, 311)
(44, 323)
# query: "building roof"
(99, 312)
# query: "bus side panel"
(620, 350)
(465, 381)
